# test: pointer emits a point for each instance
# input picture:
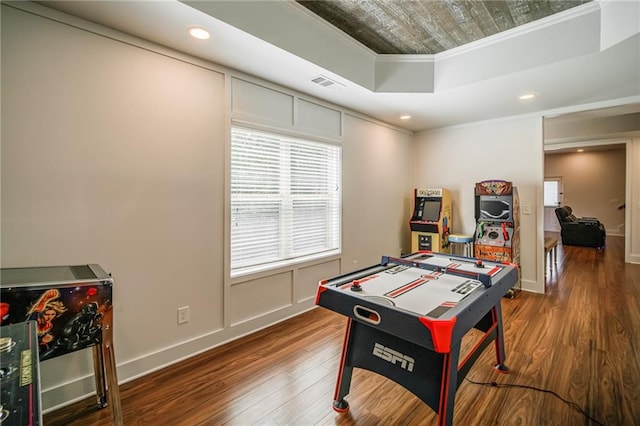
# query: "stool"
(551, 251)
(465, 240)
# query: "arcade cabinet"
(431, 221)
(497, 236)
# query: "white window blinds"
(285, 199)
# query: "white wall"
(379, 192)
(114, 155)
(457, 157)
(116, 152)
(593, 183)
(632, 211)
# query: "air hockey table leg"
(343, 385)
(345, 372)
(448, 386)
(341, 406)
(496, 313)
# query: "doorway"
(596, 132)
(553, 192)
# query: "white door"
(552, 199)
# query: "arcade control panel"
(499, 236)
(19, 375)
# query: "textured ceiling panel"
(429, 26)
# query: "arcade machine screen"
(495, 208)
(431, 211)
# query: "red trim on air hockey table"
(321, 289)
(441, 331)
(494, 271)
(343, 362)
(405, 288)
(444, 390)
(358, 282)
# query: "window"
(552, 192)
(285, 199)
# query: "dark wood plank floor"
(580, 340)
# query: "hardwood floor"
(580, 340)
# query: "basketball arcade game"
(431, 221)
(497, 236)
(406, 318)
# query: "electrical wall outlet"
(183, 315)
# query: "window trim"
(560, 193)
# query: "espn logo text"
(393, 356)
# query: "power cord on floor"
(566, 401)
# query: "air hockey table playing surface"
(418, 290)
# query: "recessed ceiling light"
(527, 96)
(199, 33)
(405, 117)
(581, 150)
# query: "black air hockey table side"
(419, 350)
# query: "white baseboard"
(83, 387)
(532, 287)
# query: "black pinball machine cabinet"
(71, 308)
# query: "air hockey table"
(406, 318)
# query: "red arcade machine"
(497, 237)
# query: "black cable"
(571, 404)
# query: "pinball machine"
(71, 308)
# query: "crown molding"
(566, 15)
(396, 58)
(305, 13)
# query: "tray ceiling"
(429, 26)
(583, 57)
